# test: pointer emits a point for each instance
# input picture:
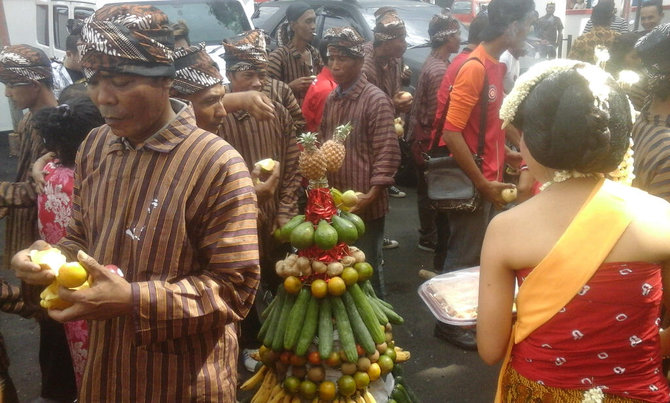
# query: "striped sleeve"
(17, 194)
(275, 64)
(383, 141)
(288, 197)
(228, 244)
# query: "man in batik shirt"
(383, 64)
(296, 62)
(256, 140)
(198, 80)
(173, 207)
(372, 151)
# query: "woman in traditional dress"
(590, 253)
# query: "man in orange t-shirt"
(509, 23)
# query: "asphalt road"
(437, 371)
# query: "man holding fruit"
(170, 204)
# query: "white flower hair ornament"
(597, 79)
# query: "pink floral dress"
(54, 208)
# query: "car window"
(462, 7)
(262, 14)
(60, 26)
(208, 21)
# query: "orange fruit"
(292, 284)
(391, 353)
(327, 391)
(349, 275)
(297, 360)
(292, 384)
(364, 270)
(336, 286)
(374, 371)
(72, 275)
(385, 364)
(308, 389)
(314, 358)
(346, 385)
(333, 359)
(362, 380)
(319, 288)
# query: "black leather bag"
(449, 187)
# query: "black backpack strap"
(483, 98)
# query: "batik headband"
(441, 27)
(388, 25)
(246, 52)
(346, 40)
(132, 39)
(194, 70)
(22, 64)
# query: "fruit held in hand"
(349, 198)
(509, 195)
(71, 275)
(48, 259)
(267, 164)
(398, 125)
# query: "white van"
(43, 23)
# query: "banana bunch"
(362, 397)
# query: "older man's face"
(133, 106)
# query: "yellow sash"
(572, 261)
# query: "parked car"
(360, 15)
(466, 10)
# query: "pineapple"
(311, 163)
(333, 150)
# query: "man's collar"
(166, 138)
(354, 91)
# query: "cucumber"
(394, 318)
(381, 316)
(296, 318)
(267, 313)
(344, 329)
(285, 231)
(268, 310)
(309, 327)
(273, 320)
(361, 332)
(325, 329)
(367, 314)
(278, 339)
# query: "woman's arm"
(496, 293)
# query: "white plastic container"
(452, 297)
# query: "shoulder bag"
(449, 187)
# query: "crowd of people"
(139, 160)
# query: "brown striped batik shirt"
(177, 214)
(280, 92)
(18, 203)
(385, 74)
(256, 140)
(651, 135)
(425, 100)
(372, 151)
(287, 64)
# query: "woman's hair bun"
(564, 127)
